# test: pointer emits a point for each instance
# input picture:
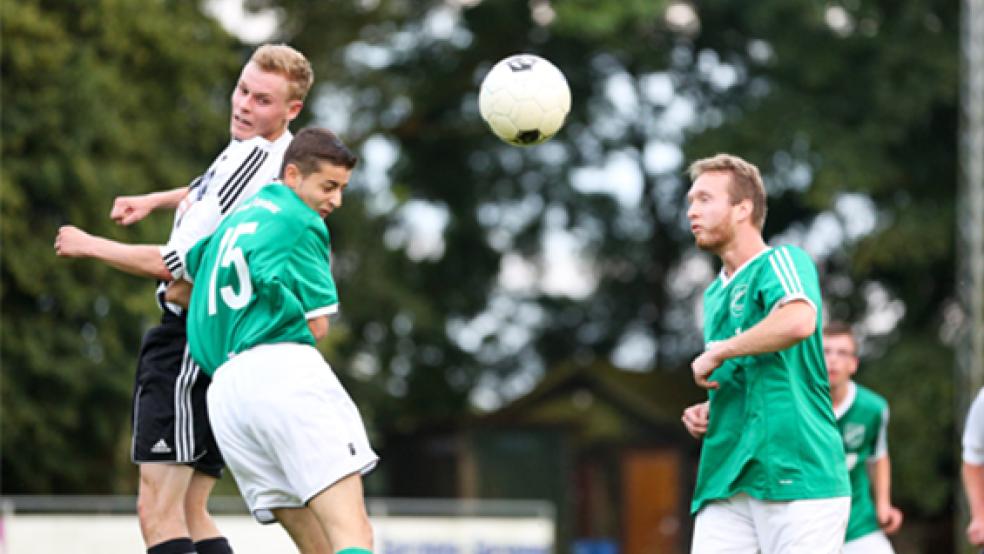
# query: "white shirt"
(239, 172)
(973, 437)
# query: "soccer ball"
(524, 99)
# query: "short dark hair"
(839, 328)
(312, 146)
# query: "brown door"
(651, 502)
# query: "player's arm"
(787, 325)
(972, 469)
(131, 209)
(318, 327)
(889, 517)
(143, 260)
(880, 473)
(973, 481)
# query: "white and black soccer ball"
(524, 99)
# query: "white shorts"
(285, 426)
(873, 543)
(742, 524)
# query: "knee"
(155, 501)
(196, 508)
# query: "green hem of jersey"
(696, 505)
(853, 534)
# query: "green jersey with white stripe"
(259, 278)
(772, 432)
(862, 419)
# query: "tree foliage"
(849, 109)
(99, 99)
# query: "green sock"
(353, 550)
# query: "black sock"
(173, 546)
(218, 545)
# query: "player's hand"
(72, 242)
(695, 419)
(704, 365)
(889, 518)
(178, 292)
(131, 209)
(975, 532)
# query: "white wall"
(120, 534)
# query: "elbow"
(318, 327)
(802, 324)
(804, 329)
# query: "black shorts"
(170, 419)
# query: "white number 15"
(230, 254)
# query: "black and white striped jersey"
(240, 171)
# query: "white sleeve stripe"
(230, 182)
(790, 270)
(228, 197)
(324, 310)
(792, 267)
(782, 280)
(786, 274)
(881, 444)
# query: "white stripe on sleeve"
(324, 310)
(779, 275)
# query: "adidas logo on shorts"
(351, 448)
(161, 448)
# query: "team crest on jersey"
(853, 435)
(738, 296)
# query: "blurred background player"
(862, 416)
(771, 476)
(172, 442)
(291, 435)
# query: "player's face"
(260, 105)
(841, 356)
(711, 212)
(321, 190)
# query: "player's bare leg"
(200, 522)
(304, 529)
(341, 509)
(160, 501)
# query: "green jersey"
(862, 419)
(772, 432)
(259, 278)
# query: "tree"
(849, 109)
(99, 100)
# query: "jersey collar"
(726, 280)
(852, 393)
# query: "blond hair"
(286, 61)
(746, 182)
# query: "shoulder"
(790, 265)
(870, 398)
(787, 253)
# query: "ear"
(294, 109)
(745, 209)
(292, 176)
